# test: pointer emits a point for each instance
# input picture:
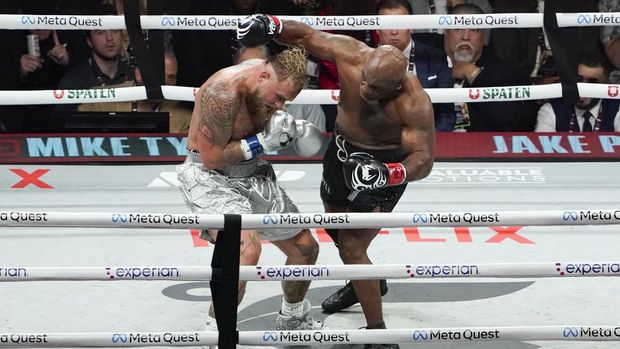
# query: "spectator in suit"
(429, 64)
(589, 114)
(179, 116)
(434, 37)
(475, 66)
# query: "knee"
(308, 248)
(351, 253)
(250, 251)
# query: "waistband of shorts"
(380, 154)
(241, 169)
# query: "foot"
(303, 322)
(346, 297)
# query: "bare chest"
(377, 116)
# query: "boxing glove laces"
(258, 29)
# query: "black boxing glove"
(257, 30)
(362, 172)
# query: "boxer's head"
(383, 74)
(280, 80)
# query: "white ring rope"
(316, 272)
(180, 93)
(214, 22)
(325, 337)
(350, 220)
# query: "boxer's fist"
(258, 29)
(363, 172)
(309, 140)
(279, 133)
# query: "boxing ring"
(474, 278)
(485, 263)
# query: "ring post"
(225, 282)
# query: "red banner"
(483, 146)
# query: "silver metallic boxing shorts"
(247, 187)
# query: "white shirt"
(545, 121)
(407, 54)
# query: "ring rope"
(325, 337)
(308, 96)
(316, 272)
(350, 220)
(216, 22)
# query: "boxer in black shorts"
(384, 117)
(334, 190)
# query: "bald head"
(383, 73)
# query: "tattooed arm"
(218, 105)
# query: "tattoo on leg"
(294, 291)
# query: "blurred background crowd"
(455, 58)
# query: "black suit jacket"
(431, 66)
(500, 116)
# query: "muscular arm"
(317, 43)
(418, 135)
(218, 106)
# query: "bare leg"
(250, 250)
(353, 250)
(353, 247)
(302, 249)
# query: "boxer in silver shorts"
(247, 187)
(239, 115)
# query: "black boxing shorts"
(334, 191)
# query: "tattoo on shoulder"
(218, 107)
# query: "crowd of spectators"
(454, 58)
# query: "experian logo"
(291, 272)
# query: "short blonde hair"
(291, 63)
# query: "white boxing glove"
(309, 139)
(279, 133)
